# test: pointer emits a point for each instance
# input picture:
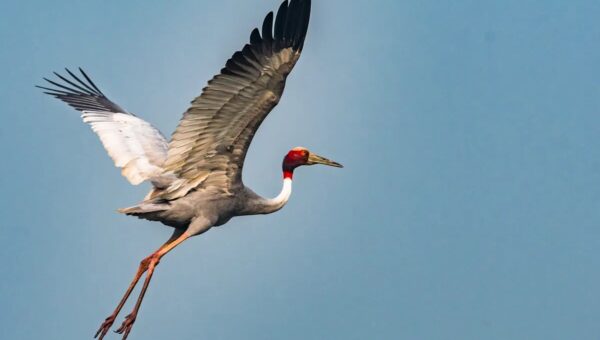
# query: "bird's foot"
(127, 325)
(108, 322)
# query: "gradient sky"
(469, 207)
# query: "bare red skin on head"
(292, 160)
(288, 174)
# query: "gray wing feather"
(208, 148)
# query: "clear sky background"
(469, 207)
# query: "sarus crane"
(197, 177)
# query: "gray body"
(200, 210)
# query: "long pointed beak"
(316, 159)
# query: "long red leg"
(144, 265)
(125, 328)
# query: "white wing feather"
(135, 146)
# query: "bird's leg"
(154, 260)
(144, 265)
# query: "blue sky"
(468, 207)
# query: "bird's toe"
(126, 326)
(108, 322)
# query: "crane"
(196, 178)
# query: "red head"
(301, 156)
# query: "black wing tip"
(50, 91)
(287, 28)
(74, 86)
(91, 82)
(267, 27)
(296, 26)
(80, 92)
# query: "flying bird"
(197, 177)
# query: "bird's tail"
(144, 208)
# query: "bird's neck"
(274, 204)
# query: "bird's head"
(301, 156)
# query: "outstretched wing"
(209, 146)
(134, 145)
